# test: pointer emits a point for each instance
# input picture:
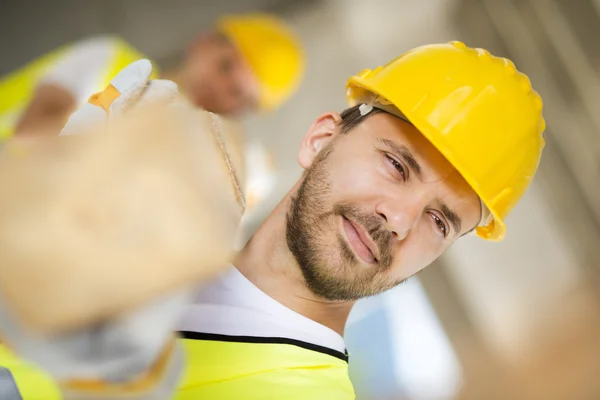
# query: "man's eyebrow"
(403, 152)
(451, 216)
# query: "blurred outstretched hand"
(135, 200)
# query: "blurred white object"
(260, 174)
(426, 363)
(399, 331)
(265, 186)
(134, 88)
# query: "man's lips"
(360, 241)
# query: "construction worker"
(246, 63)
(440, 142)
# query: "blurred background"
(514, 320)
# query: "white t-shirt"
(81, 69)
(232, 305)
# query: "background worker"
(440, 142)
(245, 63)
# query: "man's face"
(376, 205)
(217, 77)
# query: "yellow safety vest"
(17, 88)
(228, 368)
(30, 383)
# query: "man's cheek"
(412, 262)
(356, 181)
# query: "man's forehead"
(390, 126)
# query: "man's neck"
(267, 262)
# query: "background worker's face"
(376, 205)
(217, 77)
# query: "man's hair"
(351, 117)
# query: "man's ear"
(320, 134)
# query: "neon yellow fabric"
(228, 370)
(33, 383)
(18, 87)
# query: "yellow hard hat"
(272, 51)
(476, 109)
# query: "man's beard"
(331, 270)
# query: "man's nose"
(400, 217)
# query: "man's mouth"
(360, 241)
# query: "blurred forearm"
(47, 113)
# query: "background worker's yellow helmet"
(272, 51)
(476, 109)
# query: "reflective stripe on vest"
(17, 88)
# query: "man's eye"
(441, 226)
(397, 166)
